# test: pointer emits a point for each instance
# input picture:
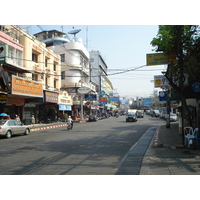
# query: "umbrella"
(3, 114)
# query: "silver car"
(11, 127)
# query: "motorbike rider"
(70, 121)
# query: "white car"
(11, 127)
(173, 118)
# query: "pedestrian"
(32, 120)
(70, 122)
(17, 118)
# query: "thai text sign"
(51, 97)
(26, 87)
(159, 59)
(15, 101)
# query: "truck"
(132, 111)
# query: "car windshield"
(172, 115)
(131, 115)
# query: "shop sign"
(51, 97)
(84, 90)
(2, 98)
(65, 107)
(15, 101)
(22, 86)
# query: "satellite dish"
(74, 32)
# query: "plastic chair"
(191, 137)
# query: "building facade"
(31, 77)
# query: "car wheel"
(8, 134)
(27, 131)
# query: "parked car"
(131, 118)
(173, 117)
(11, 127)
(93, 118)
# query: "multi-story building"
(99, 77)
(30, 77)
(75, 71)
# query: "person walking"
(32, 120)
(70, 122)
(17, 118)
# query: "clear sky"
(123, 47)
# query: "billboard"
(147, 102)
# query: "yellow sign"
(160, 59)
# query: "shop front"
(65, 103)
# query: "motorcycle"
(69, 126)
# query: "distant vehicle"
(11, 127)
(131, 118)
(93, 118)
(173, 117)
(162, 114)
(147, 112)
(140, 115)
(155, 113)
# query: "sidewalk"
(167, 156)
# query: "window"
(35, 77)
(63, 75)
(46, 62)
(62, 56)
(54, 66)
(34, 57)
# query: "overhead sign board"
(84, 90)
(159, 59)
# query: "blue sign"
(90, 97)
(163, 96)
(196, 87)
(113, 98)
(102, 93)
(65, 107)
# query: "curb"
(47, 127)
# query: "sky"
(123, 47)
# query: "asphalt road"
(91, 148)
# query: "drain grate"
(27, 148)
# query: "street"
(91, 148)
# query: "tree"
(183, 41)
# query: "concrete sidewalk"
(167, 156)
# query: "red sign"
(15, 101)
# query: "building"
(99, 77)
(30, 77)
(75, 70)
